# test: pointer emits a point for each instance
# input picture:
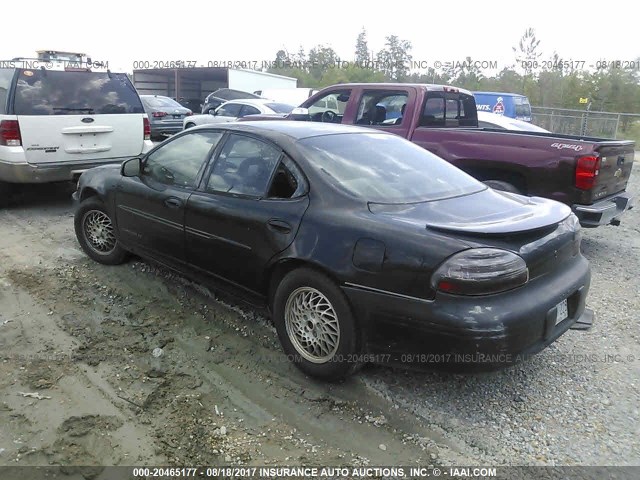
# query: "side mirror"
(299, 113)
(131, 167)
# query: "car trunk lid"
(488, 212)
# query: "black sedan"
(364, 246)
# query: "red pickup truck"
(588, 174)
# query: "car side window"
(245, 166)
(248, 110)
(329, 107)
(433, 112)
(229, 110)
(288, 181)
(179, 161)
(381, 108)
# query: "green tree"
(395, 58)
(362, 49)
(527, 53)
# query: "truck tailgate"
(616, 161)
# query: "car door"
(248, 209)
(150, 207)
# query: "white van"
(290, 96)
(56, 123)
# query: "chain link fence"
(588, 123)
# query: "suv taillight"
(147, 128)
(10, 133)
(587, 170)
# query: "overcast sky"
(122, 32)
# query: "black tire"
(189, 125)
(500, 185)
(342, 358)
(5, 194)
(104, 247)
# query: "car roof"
(294, 130)
(251, 101)
(504, 94)
(431, 87)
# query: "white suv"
(55, 123)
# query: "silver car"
(165, 115)
(234, 109)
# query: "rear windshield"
(280, 107)
(6, 75)
(523, 108)
(47, 92)
(383, 168)
(160, 102)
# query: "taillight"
(10, 133)
(146, 128)
(587, 169)
(480, 271)
(159, 114)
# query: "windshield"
(161, 102)
(382, 168)
(280, 107)
(49, 92)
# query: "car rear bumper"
(166, 129)
(472, 332)
(605, 211)
(45, 173)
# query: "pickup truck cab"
(588, 174)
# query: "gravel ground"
(576, 403)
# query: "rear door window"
(6, 75)
(447, 109)
(47, 92)
(248, 110)
(381, 108)
(230, 110)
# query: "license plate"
(562, 311)
(177, 116)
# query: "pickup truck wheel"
(500, 185)
(315, 325)
(96, 234)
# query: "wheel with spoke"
(315, 324)
(96, 233)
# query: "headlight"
(480, 271)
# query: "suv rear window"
(47, 92)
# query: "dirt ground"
(132, 365)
